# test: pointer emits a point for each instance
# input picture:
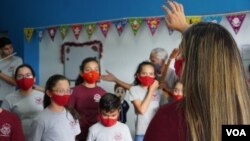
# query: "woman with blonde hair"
(214, 82)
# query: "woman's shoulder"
(171, 108)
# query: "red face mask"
(146, 80)
(108, 122)
(177, 97)
(91, 77)
(25, 83)
(61, 100)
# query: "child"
(56, 122)
(108, 128)
(121, 92)
(178, 91)
(26, 102)
(10, 127)
(145, 97)
(86, 95)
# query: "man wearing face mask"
(109, 128)
(8, 65)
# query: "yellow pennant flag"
(193, 19)
(28, 32)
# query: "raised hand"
(175, 16)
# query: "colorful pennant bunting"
(28, 32)
(90, 28)
(214, 19)
(153, 24)
(120, 25)
(52, 32)
(135, 24)
(64, 30)
(104, 27)
(236, 21)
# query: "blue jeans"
(139, 137)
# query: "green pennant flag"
(64, 30)
(135, 24)
(90, 28)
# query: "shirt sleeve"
(128, 134)
(133, 94)
(6, 105)
(90, 136)
(37, 130)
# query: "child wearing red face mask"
(109, 128)
(145, 97)
(57, 122)
(86, 95)
(25, 102)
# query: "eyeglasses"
(21, 76)
(62, 92)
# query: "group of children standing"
(84, 112)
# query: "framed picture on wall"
(74, 53)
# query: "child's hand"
(154, 86)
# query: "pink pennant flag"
(52, 32)
(236, 21)
(77, 28)
(104, 26)
(153, 24)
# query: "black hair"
(26, 66)
(79, 79)
(139, 69)
(109, 102)
(50, 84)
(4, 41)
(118, 85)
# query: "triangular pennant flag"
(120, 24)
(52, 32)
(213, 19)
(193, 19)
(104, 26)
(40, 33)
(135, 24)
(28, 32)
(153, 24)
(236, 21)
(170, 30)
(77, 28)
(64, 30)
(90, 28)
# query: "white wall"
(121, 55)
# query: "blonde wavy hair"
(215, 86)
